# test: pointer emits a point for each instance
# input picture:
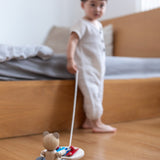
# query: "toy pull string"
(74, 107)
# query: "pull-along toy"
(51, 141)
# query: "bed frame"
(137, 35)
(30, 107)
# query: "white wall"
(28, 21)
(117, 8)
(25, 21)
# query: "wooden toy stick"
(74, 107)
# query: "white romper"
(90, 60)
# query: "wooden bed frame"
(30, 107)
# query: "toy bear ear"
(56, 134)
(45, 133)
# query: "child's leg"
(92, 89)
(87, 124)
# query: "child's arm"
(72, 44)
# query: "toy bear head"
(50, 140)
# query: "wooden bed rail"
(31, 107)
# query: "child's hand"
(71, 66)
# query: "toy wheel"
(79, 154)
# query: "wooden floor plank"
(137, 140)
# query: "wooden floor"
(137, 140)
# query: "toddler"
(86, 53)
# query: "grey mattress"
(55, 68)
(35, 69)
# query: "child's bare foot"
(104, 129)
(87, 124)
(99, 127)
